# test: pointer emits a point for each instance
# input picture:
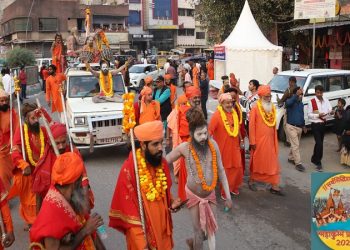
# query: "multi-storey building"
(35, 26)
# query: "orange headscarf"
(264, 90)
(145, 91)
(182, 100)
(225, 97)
(58, 130)
(149, 131)
(67, 169)
(167, 77)
(148, 80)
(192, 91)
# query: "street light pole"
(313, 43)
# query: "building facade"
(48, 17)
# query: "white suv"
(336, 84)
(138, 72)
(93, 125)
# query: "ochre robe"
(264, 165)
(5, 211)
(6, 166)
(195, 76)
(53, 85)
(229, 149)
(210, 68)
(150, 113)
(57, 57)
(57, 211)
(124, 213)
(172, 95)
(22, 185)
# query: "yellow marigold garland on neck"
(128, 112)
(152, 192)
(29, 149)
(268, 118)
(233, 133)
(199, 168)
(106, 90)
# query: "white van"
(41, 61)
(336, 84)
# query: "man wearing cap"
(147, 109)
(205, 170)
(42, 172)
(162, 95)
(5, 137)
(155, 186)
(35, 139)
(224, 127)
(63, 207)
(264, 164)
(172, 87)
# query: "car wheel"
(280, 132)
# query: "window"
(162, 9)
(190, 12)
(182, 12)
(190, 32)
(134, 18)
(181, 32)
(200, 35)
(134, 1)
(185, 32)
(17, 25)
(313, 83)
(347, 82)
(335, 83)
(153, 68)
(48, 24)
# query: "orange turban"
(148, 80)
(167, 77)
(225, 97)
(192, 91)
(182, 100)
(58, 130)
(149, 131)
(146, 91)
(264, 90)
(67, 169)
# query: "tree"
(220, 16)
(19, 56)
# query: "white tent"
(248, 54)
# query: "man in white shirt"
(319, 109)
(8, 82)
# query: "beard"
(201, 146)
(105, 72)
(35, 127)
(79, 201)
(4, 107)
(154, 160)
(267, 106)
(62, 151)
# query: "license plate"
(107, 140)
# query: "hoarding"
(306, 9)
(219, 53)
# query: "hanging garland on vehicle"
(128, 112)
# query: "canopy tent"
(248, 54)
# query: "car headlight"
(79, 121)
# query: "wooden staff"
(66, 121)
(53, 143)
(139, 196)
(11, 122)
(18, 89)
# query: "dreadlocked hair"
(195, 118)
(28, 107)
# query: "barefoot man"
(204, 168)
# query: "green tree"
(19, 56)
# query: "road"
(259, 220)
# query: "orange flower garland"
(268, 118)
(147, 186)
(205, 186)
(128, 112)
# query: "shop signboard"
(219, 53)
(307, 9)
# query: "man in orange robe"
(264, 164)
(53, 90)
(5, 137)
(64, 207)
(229, 144)
(172, 87)
(42, 173)
(195, 74)
(124, 213)
(34, 143)
(210, 69)
(57, 51)
(6, 219)
(147, 109)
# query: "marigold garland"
(205, 186)
(107, 90)
(128, 112)
(28, 148)
(227, 126)
(152, 192)
(268, 118)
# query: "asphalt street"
(258, 220)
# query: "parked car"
(93, 125)
(41, 61)
(336, 85)
(138, 72)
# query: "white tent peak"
(247, 35)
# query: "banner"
(306, 9)
(219, 53)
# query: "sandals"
(276, 192)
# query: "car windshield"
(280, 83)
(88, 86)
(136, 69)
